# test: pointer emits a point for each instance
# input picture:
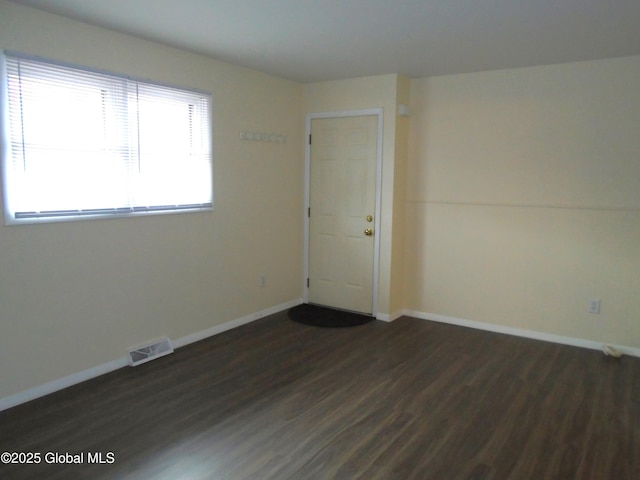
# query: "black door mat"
(326, 317)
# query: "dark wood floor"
(406, 400)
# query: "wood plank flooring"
(406, 400)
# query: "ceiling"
(315, 40)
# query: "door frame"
(378, 201)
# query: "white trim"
(61, 383)
(378, 112)
(389, 317)
(79, 377)
(521, 332)
(238, 322)
(26, 206)
(5, 150)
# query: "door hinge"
(307, 282)
(309, 212)
(309, 139)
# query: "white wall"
(76, 295)
(524, 199)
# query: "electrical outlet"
(263, 281)
(594, 305)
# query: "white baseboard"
(79, 377)
(61, 383)
(389, 317)
(520, 332)
(195, 337)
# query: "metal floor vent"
(145, 353)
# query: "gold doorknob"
(368, 232)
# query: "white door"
(342, 207)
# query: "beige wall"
(77, 295)
(524, 199)
(401, 158)
(363, 93)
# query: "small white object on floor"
(611, 352)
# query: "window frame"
(7, 161)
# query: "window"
(84, 144)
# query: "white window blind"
(86, 143)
